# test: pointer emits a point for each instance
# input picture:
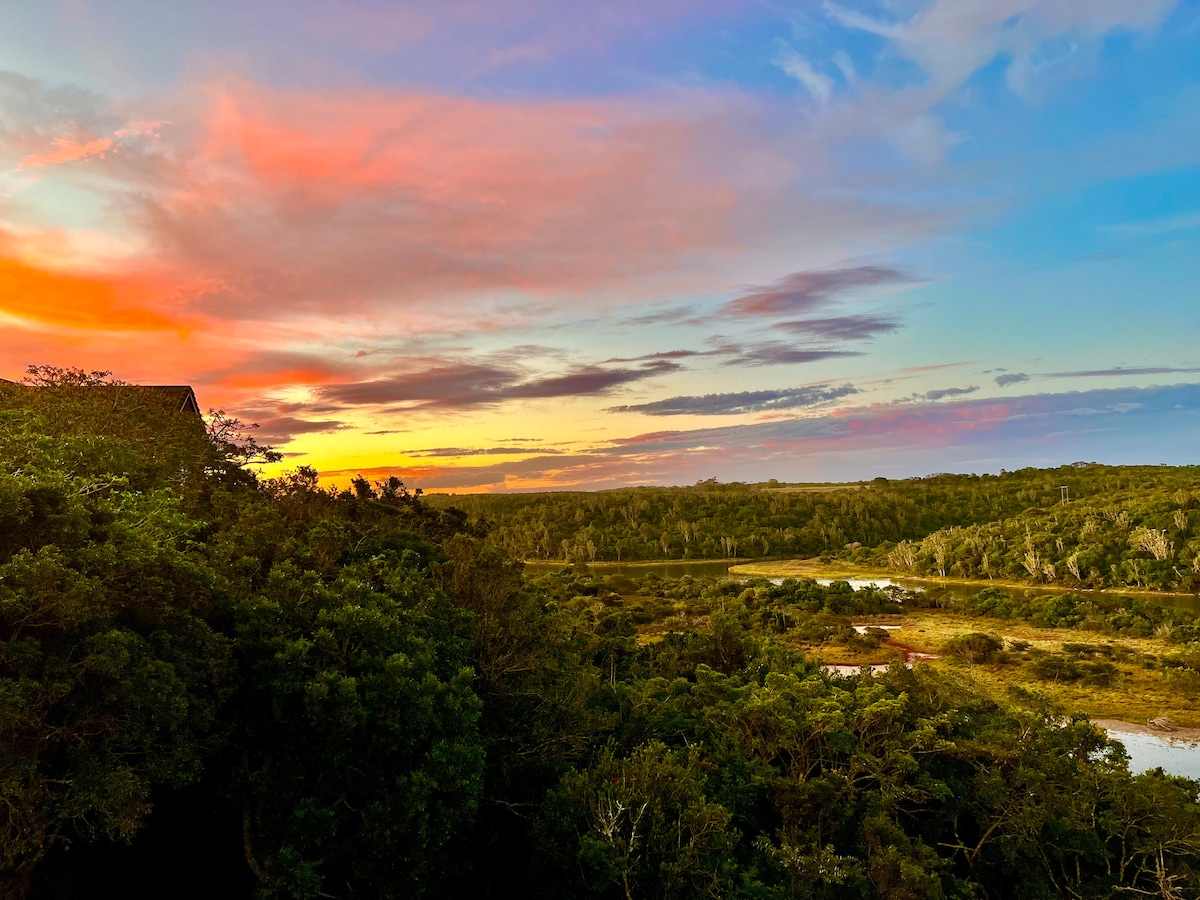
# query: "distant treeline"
(1129, 526)
(1141, 532)
(213, 685)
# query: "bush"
(1099, 673)
(1056, 667)
(974, 647)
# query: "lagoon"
(1174, 755)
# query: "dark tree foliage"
(217, 685)
(355, 748)
(171, 630)
(111, 676)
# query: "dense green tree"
(357, 743)
(111, 679)
(638, 826)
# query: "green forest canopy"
(1132, 526)
(214, 684)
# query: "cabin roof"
(180, 395)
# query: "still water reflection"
(1150, 751)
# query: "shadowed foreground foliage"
(216, 686)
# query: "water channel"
(1175, 755)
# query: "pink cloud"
(141, 127)
(440, 214)
(364, 201)
(330, 216)
(66, 150)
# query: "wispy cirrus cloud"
(741, 402)
(1156, 227)
(950, 41)
(943, 393)
(842, 328)
(1118, 371)
(460, 452)
(64, 150)
(670, 316)
(467, 385)
(807, 291)
(664, 354)
(779, 353)
(796, 66)
(1011, 378)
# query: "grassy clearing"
(1138, 694)
(811, 488)
(802, 568)
(1140, 691)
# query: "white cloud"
(845, 65)
(925, 138)
(951, 40)
(799, 68)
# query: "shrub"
(1056, 667)
(973, 647)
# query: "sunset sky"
(492, 245)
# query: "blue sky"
(514, 246)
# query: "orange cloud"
(305, 376)
(395, 213)
(81, 302)
(410, 205)
(66, 150)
